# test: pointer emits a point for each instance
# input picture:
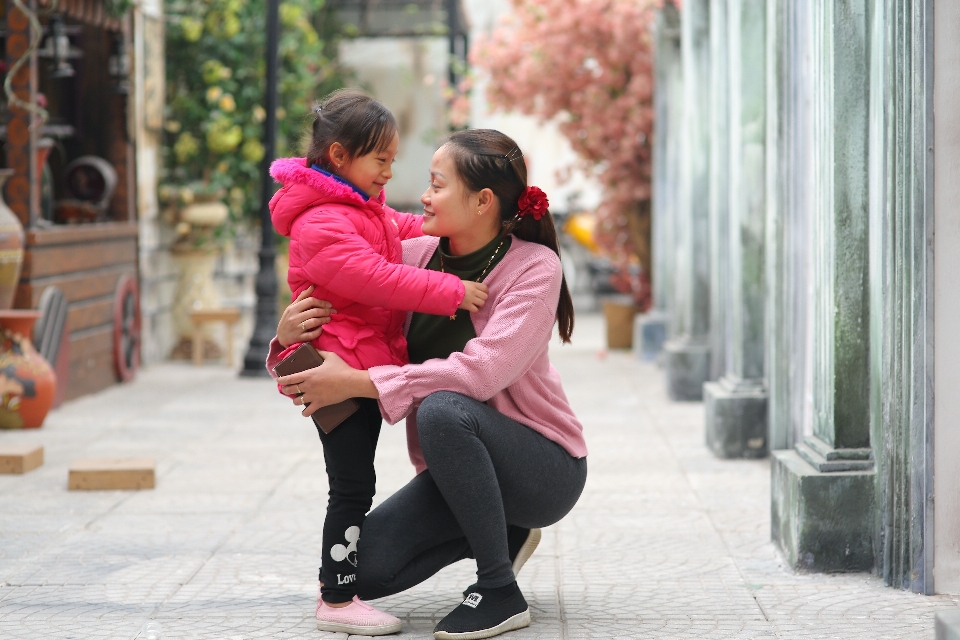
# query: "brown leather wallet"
(306, 357)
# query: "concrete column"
(901, 294)
(736, 405)
(687, 353)
(650, 329)
(946, 143)
(831, 471)
(789, 172)
(719, 210)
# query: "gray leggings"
(485, 471)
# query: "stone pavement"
(667, 541)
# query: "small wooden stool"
(199, 317)
(110, 474)
(20, 458)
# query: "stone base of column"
(649, 334)
(948, 625)
(736, 419)
(805, 504)
(687, 365)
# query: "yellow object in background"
(581, 227)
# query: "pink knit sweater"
(506, 365)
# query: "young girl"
(345, 243)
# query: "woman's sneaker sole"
(518, 621)
(359, 630)
(529, 546)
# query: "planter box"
(619, 312)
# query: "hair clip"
(515, 154)
(318, 109)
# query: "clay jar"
(27, 382)
(11, 247)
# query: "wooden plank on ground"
(39, 262)
(20, 458)
(110, 474)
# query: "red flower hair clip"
(533, 202)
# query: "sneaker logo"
(339, 553)
(473, 600)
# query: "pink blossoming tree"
(588, 64)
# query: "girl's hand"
(303, 319)
(474, 296)
(332, 382)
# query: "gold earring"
(479, 213)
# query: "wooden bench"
(229, 316)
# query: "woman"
(497, 448)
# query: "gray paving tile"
(667, 542)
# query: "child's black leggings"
(348, 452)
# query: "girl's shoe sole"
(519, 621)
(358, 630)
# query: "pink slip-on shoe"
(357, 618)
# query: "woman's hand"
(332, 382)
(303, 319)
(474, 296)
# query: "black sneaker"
(521, 543)
(485, 613)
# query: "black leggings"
(348, 452)
(485, 471)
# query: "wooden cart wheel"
(126, 328)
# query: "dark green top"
(433, 336)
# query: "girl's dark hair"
(488, 159)
(355, 120)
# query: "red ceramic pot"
(27, 382)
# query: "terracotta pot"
(11, 247)
(27, 382)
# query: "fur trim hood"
(304, 188)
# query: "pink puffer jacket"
(349, 248)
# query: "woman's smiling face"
(446, 206)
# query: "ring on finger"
(303, 325)
(299, 392)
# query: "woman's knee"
(440, 415)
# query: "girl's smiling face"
(370, 172)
